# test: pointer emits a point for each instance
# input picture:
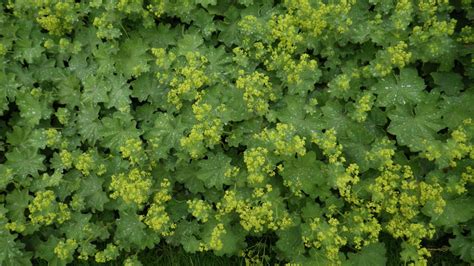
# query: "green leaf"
(75, 228)
(335, 117)
(32, 109)
(69, 90)
(212, 170)
(45, 251)
(290, 243)
(370, 255)
(456, 211)
(407, 88)
(166, 133)
(92, 192)
(185, 234)
(132, 56)
(132, 233)
(119, 93)
(147, 87)
(25, 162)
(229, 29)
(414, 125)
(291, 110)
(233, 241)
(189, 43)
(6, 176)
(26, 138)
(463, 246)
(117, 129)
(8, 89)
(28, 45)
(95, 90)
(458, 108)
(448, 82)
(88, 123)
(187, 176)
(206, 3)
(11, 252)
(306, 170)
(16, 203)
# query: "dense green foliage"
(309, 130)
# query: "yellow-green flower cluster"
(257, 91)
(459, 187)
(295, 70)
(65, 46)
(295, 186)
(132, 187)
(256, 218)
(105, 26)
(232, 172)
(340, 84)
(328, 144)
(394, 56)
(188, 79)
(412, 233)
(284, 140)
(313, 17)
(109, 253)
(257, 166)
(397, 192)
(63, 115)
(364, 105)
(251, 26)
(65, 250)
(455, 148)
(15, 226)
(66, 158)
(255, 215)
(132, 261)
(381, 153)
(57, 17)
(199, 209)
(427, 9)
(432, 35)
(259, 192)
(398, 55)
(157, 7)
(130, 6)
(84, 163)
(45, 210)
(44, 200)
(402, 16)
(345, 182)
(215, 242)
(205, 134)
(326, 235)
(364, 227)
(163, 60)
(133, 150)
(53, 137)
(432, 193)
(229, 203)
(466, 36)
(157, 218)
(284, 29)
(3, 49)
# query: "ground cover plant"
(303, 132)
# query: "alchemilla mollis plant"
(309, 127)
